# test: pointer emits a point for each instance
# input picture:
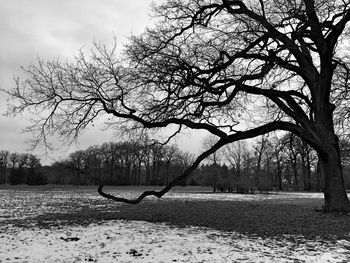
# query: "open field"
(66, 224)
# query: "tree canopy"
(236, 68)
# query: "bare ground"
(65, 224)
(262, 215)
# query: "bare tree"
(238, 69)
(238, 156)
(234, 154)
(77, 163)
(279, 157)
(263, 158)
(171, 153)
(4, 159)
(14, 158)
(305, 152)
(216, 157)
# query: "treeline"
(271, 163)
(20, 168)
(121, 163)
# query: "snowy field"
(49, 224)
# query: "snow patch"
(138, 241)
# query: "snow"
(140, 241)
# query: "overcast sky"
(59, 28)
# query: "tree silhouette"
(237, 69)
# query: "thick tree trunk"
(336, 199)
(318, 178)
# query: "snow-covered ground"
(139, 241)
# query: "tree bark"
(336, 199)
(318, 176)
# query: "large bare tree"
(235, 68)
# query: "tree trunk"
(336, 199)
(1, 175)
(289, 178)
(279, 176)
(148, 173)
(5, 174)
(280, 180)
(139, 173)
(308, 165)
(318, 176)
(166, 181)
(295, 172)
(304, 170)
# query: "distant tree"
(224, 179)
(209, 175)
(4, 160)
(109, 156)
(237, 69)
(238, 156)
(263, 159)
(234, 153)
(345, 157)
(15, 175)
(77, 164)
(216, 159)
(293, 155)
(61, 172)
(185, 160)
(260, 149)
(171, 155)
(34, 176)
(345, 151)
(306, 160)
(279, 158)
(92, 165)
(140, 160)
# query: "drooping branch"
(178, 179)
(202, 67)
(220, 143)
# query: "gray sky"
(59, 28)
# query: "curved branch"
(278, 125)
(293, 109)
(164, 123)
(178, 179)
(338, 29)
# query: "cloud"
(57, 28)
